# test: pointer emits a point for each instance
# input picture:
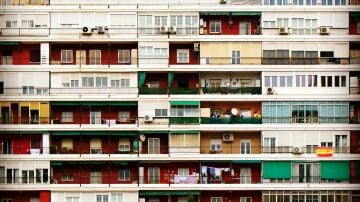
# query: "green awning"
(215, 13)
(130, 103)
(61, 103)
(335, 170)
(142, 76)
(187, 103)
(276, 169)
(170, 78)
(56, 163)
(153, 131)
(124, 133)
(65, 133)
(184, 193)
(8, 43)
(190, 132)
(245, 13)
(247, 161)
(95, 133)
(354, 14)
(94, 103)
(154, 193)
(92, 162)
(121, 163)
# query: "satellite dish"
(142, 138)
(234, 111)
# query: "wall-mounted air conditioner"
(172, 29)
(163, 29)
(228, 137)
(86, 31)
(148, 118)
(283, 30)
(324, 30)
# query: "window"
(312, 81)
(245, 176)
(215, 26)
(87, 81)
(95, 178)
(184, 111)
(154, 145)
(124, 174)
(235, 57)
(154, 200)
(102, 198)
(11, 24)
(116, 197)
(28, 89)
(28, 176)
(124, 144)
(245, 199)
(300, 80)
(269, 57)
(95, 57)
(160, 21)
(161, 112)
(27, 23)
(269, 144)
(310, 26)
(326, 54)
(271, 81)
(66, 56)
(160, 52)
(297, 57)
(341, 143)
(124, 116)
(101, 81)
(245, 28)
(67, 176)
(289, 81)
(74, 83)
(183, 171)
(215, 145)
(145, 51)
(340, 81)
(282, 81)
(358, 27)
(216, 199)
(305, 172)
(6, 57)
(245, 146)
(67, 143)
(35, 56)
(66, 116)
(183, 56)
(326, 2)
(72, 199)
(154, 175)
(282, 22)
(1, 87)
(215, 83)
(191, 24)
(115, 83)
(305, 112)
(124, 56)
(269, 24)
(145, 21)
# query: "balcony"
(184, 120)
(153, 83)
(230, 120)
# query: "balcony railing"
(68, 120)
(184, 120)
(25, 180)
(306, 119)
(231, 90)
(230, 120)
(152, 91)
(184, 91)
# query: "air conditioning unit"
(283, 30)
(297, 150)
(196, 47)
(148, 118)
(228, 137)
(324, 30)
(86, 31)
(163, 30)
(269, 91)
(101, 29)
(172, 29)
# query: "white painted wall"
(303, 138)
(26, 165)
(19, 79)
(152, 60)
(148, 107)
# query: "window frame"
(124, 174)
(124, 60)
(67, 53)
(67, 116)
(182, 51)
(216, 24)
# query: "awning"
(184, 193)
(121, 163)
(56, 163)
(276, 169)
(215, 13)
(354, 14)
(92, 162)
(335, 170)
(153, 131)
(130, 103)
(65, 133)
(9, 43)
(247, 161)
(124, 133)
(61, 103)
(154, 193)
(180, 132)
(245, 13)
(187, 103)
(142, 76)
(95, 133)
(96, 103)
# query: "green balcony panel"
(184, 91)
(152, 91)
(184, 120)
(276, 169)
(184, 103)
(335, 170)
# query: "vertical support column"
(46, 143)
(44, 54)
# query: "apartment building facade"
(179, 100)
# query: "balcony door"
(6, 146)
(245, 28)
(245, 146)
(95, 146)
(95, 177)
(154, 146)
(340, 143)
(154, 175)
(245, 176)
(306, 173)
(5, 115)
(269, 145)
(95, 117)
(80, 57)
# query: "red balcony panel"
(192, 166)
(233, 196)
(56, 52)
(354, 142)
(20, 53)
(114, 48)
(254, 107)
(45, 196)
(164, 177)
(113, 146)
(20, 144)
(160, 77)
(114, 173)
(193, 57)
(234, 28)
(193, 80)
(56, 142)
(163, 149)
(23, 196)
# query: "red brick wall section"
(233, 29)
(193, 57)
(193, 80)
